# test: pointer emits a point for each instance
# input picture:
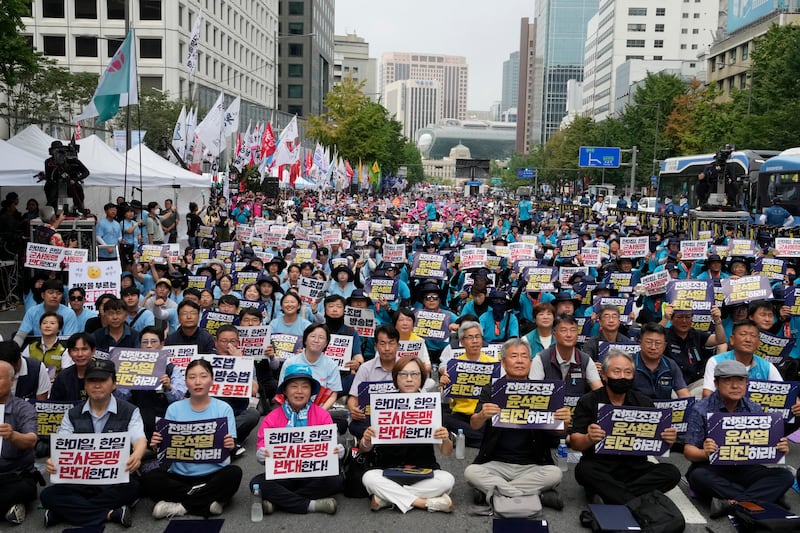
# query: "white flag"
(191, 123)
(232, 117)
(179, 136)
(194, 44)
(211, 129)
(286, 152)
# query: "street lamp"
(275, 66)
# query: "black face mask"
(334, 323)
(791, 277)
(620, 385)
(499, 309)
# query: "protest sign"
(90, 458)
(409, 348)
(521, 265)
(211, 321)
(721, 250)
(693, 250)
(199, 282)
(285, 345)
(180, 355)
(409, 230)
(394, 253)
(774, 269)
(633, 247)
(302, 255)
(774, 396)
(258, 305)
(569, 248)
(741, 248)
(138, 369)
(745, 438)
(429, 266)
(54, 258)
(792, 300)
(201, 256)
(362, 320)
(432, 324)
(435, 226)
(205, 232)
(540, 279)
(367, 388)
(622, 282)
(243, 279)
(467, 378)
(49, 415)
(233, 376)
(331, 237)
(405, 418)
(656, 283)
(623, 304)
(566, 272)
(774, 349)
(786, 247)
(527, 404)
(153, 252)
(301, 452)
(603, 347)
(691, 295)
(198, 441)
(680, 407)
(521, 251)
(340, 349)
(633, 430)
(96, 278)
(591, 256)
(253, 341)
(746, 289)
(381, 289)
(473, 258)
(584, 328)
(311, 290)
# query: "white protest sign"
(46, 257)
(405, 418)
(693, 250)
(340, 349)
(301, 452)
(253, 341)
(181, 355)
(473, 258)
(633, 247)
(362, 320)
(394, 253)
(96, 278)
(311, 290)
(90, 458)
(233, 376)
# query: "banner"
(233, 376)
(633, 247)
(138, 369)
(199, 282)
(741, 248)
(785, 247)
(603, 347)
(409, 349)
(624, 305)
(211, 321)
(381, 289)
(521, 251)
(591, 256)
(331, 237)
(568, 248)
(409, 230)
(656, 283)
(90, 458)
(367, 388)
(153, 252)
(340, 349)
(201, 256)
(432, 324)
(680, 407)
(746, 289)
(774, 396)
(301, 452)
(301, 255)
(691, 295)
(693, 250)
(745, 438)
(311, 290)
(521, 265)
(467, 378)
(96, 278)
(540, 279)
(792, 301)
(633, 430)
(49, 415)
(405, 418)
(285, 345)
(429, 266)
(243, 279)
(253, 341)
(394, 253)
(198, 441)
(622, 282)
(180, 355)
(566, 272)
(54, 258)
(526, 404)
(473, 258)
(773, 269)
(362, 320)
(774, 349)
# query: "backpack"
(656, 513)
(42, 234)
(516, 506)
(758, 516)
(353, 469)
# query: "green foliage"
(17, 60)
(155, 114)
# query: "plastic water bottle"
(461, 443)
(562, 454)
(256, 511)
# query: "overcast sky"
(485, 32)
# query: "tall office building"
(414, 103)
(560, 39)
(305, 55)
(351, 60)
(510, 82)
(236, 51)
(450, 72)
(653, 35)
(527, 46)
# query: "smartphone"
(750, 506)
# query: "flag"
(375, 176)
(286, 152)
(191, 123)
(179, 136)
(118, 84)
(349, 170)
(78, 131)
(231, 119)
(197, 156)
(211, 129)
(267, 142)
(242, 155)
(309, 162)
(254, 144)
(194, 44)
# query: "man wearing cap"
(108, 234)
(52, 293)
(92, 505)
(713, 269)
(499, 323)
(726, 485)
(161, 305)
(599, 207)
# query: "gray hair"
(615, 353)
(513, 343)
(467, 325)
(46, 213)
(604, 308)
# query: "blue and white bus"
(779, 177)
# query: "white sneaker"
(215, 508)
(16, 514)
(441, 504)
(164, 509)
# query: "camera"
(64, 154)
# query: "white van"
(648, 204)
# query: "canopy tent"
(165, 169)
(18, 166)
(33, 140)
(300, 184)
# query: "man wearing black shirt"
(188, 332)
(686, 346)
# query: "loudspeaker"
(271, 187)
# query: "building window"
(732, 55)
(696, 16)
(694, 47)
(635, 43)
(54, 45)
(150, 48)
(637, 27)
(695, 31)
(86, 9)
(637, 11)
(113, 46)
(295, 70)
(295, 28)
(742, 81)
(295, 110)
(150, 9)
(745, 51)
(294, 91)
(659, 43)
(685, 15)
(296, 8)
(628, 58)
(53, 9)
(692, 65)
(661, 11)
(86, 46)
(151, 82)
(295, 50)
(658, 58)
(683, 46)
(116, 9)
(659, 28)
(684, 31)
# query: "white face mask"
(684, 201)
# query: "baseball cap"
(101, 369)
(729, 369)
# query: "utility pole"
(633, 151)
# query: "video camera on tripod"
(63, 176)
(722, 173)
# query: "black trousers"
(618, 482)
(17, 490)
(293, 495)
(87, 505)
(195, 493)
(741, 482)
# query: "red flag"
(294, 173)
(349, 170)
(267, 142)
(238, 143)
(309, 161)
(78, 131)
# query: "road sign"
(599, 157)
(526, 173)
(497, 182)
(653, 179)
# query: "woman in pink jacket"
(301, 495)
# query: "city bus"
(779, 177)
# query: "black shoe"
(720, 507)
(122, 515)
(551, 499)
(50, 518)
(478, 497)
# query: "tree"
(17, 58)
(698, 121)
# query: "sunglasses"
(431, 297)
(76, 298)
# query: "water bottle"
(562, 455)
(461, 443)
(256, 511)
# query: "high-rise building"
(527, 46)
(305, 55)
(415, 103)
(658, 34)
(450, 72)
(560, 39)
(351, 60)
(508, 98)
(236, 51)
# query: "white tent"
(34, 141)
(18, 167)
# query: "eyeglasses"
(473, 337)
(409, 374)
(148, 342)
(431, 297)
(76, 298)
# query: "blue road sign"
(526, 173)
(599, 156)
